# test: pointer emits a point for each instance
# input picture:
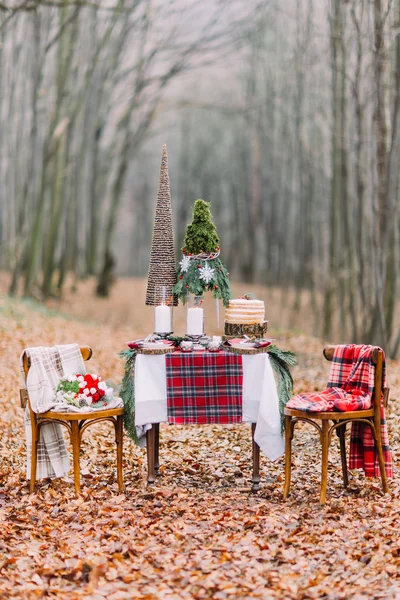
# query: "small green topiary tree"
(201, 268)
(201, 235)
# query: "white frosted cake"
(243, 311)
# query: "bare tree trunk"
(391, 229)
(359, 163)
(379, 334)
(336, 35)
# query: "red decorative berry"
(180, 276)
(187, 286)
(199, 266)
(216, 287)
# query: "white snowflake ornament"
(206, 273)
(184, 264)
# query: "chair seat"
(81, 416)
(330, 416)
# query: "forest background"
(285, 116)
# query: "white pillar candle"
(163, 322)
(195, 320)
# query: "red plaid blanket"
(204, 387)
(350, 387)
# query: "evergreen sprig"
(190, 282)
(127, 392)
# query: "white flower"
(206, 273)
(102, 385)
(81, 378)
(93, 390)
(82, 384)
(86, 392)
(184, 263)
(95, 377)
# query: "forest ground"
(199, 532)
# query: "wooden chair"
(76, 423)
(371, 417)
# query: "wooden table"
(260, 407)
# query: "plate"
(154, 345)
(242, 346)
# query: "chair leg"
(157, 448)
(324, 470)
(75, 441)
(35, 437)
(150, 439)
(381, 460)
(288, 455)
(256, 461)
(119, 439)
(341, 432)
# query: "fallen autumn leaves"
(199, 532)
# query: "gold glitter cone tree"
(162, 270)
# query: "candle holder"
(195, 317)
(163, 303)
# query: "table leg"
(157, 448)
(150, 439)
(256, 461)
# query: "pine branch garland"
(127, 392)
(281, 360)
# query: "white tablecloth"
(260, 398)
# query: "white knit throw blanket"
(47, 366)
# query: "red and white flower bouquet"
(84, 391)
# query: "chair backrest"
(86, 352)
(377, 356)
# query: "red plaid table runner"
(350, 386)
(204, 387)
